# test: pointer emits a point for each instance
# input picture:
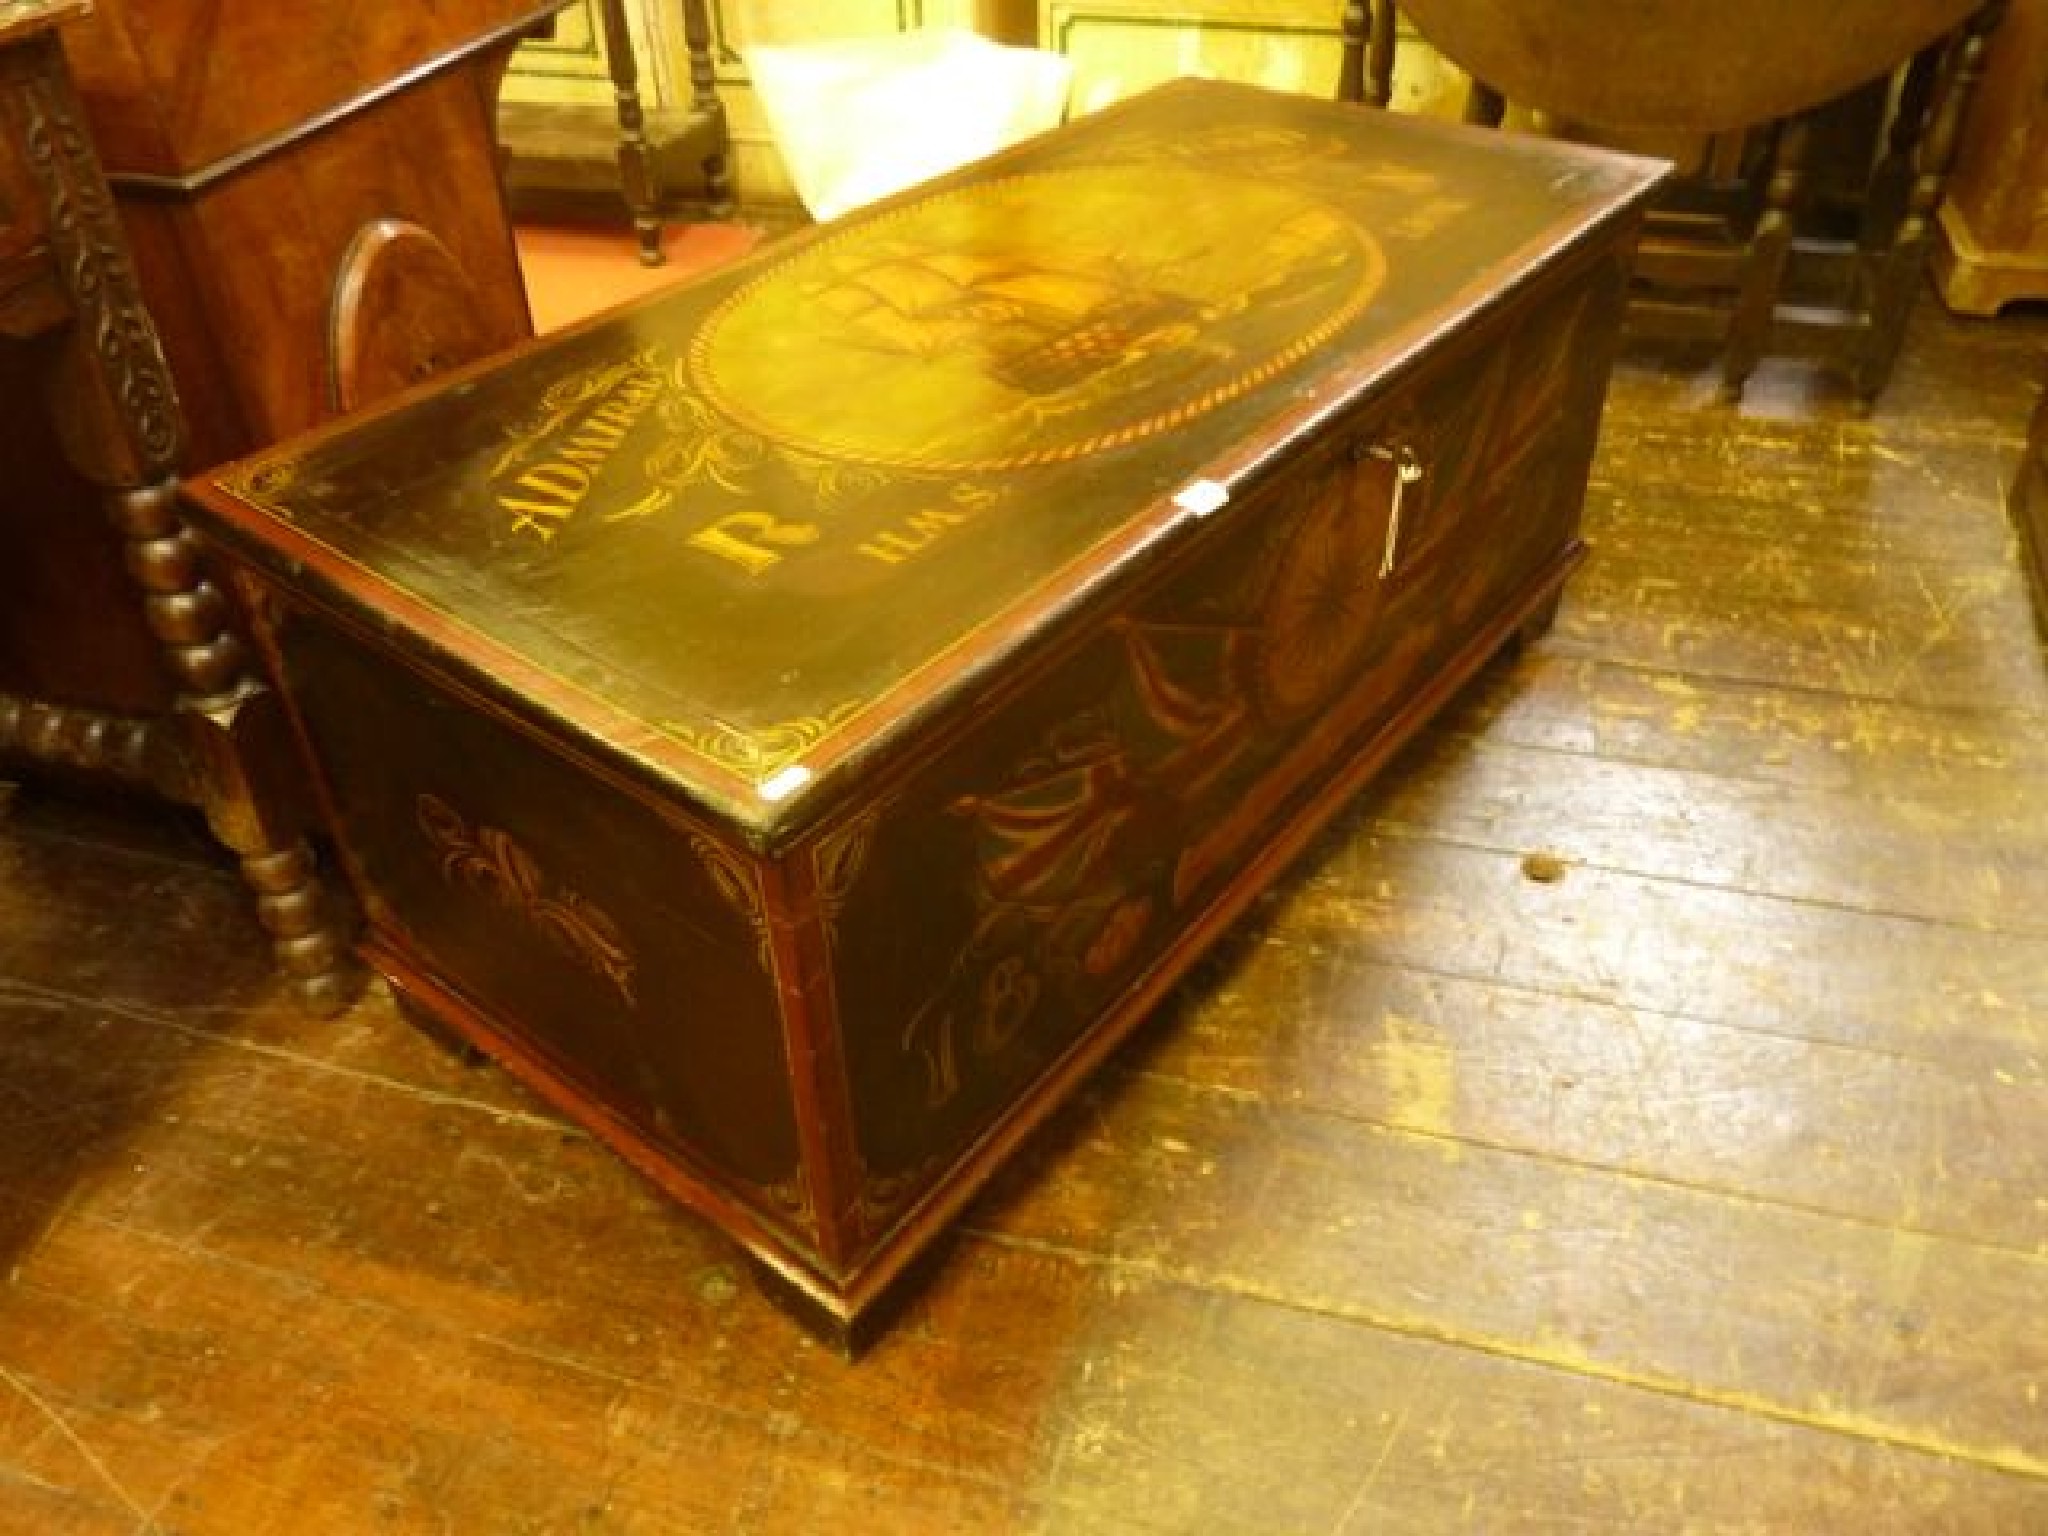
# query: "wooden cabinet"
(93, 403)
(802, 721)
(277, 165)
(311, 197)
(1993, 236)
(312, 200)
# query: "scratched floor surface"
(1704, 1188)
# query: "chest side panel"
(622, 946)
(1073, 845)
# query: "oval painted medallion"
(1035, 319)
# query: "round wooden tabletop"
(1679, 64)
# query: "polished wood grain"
(248, 145)
(246, 262)
(174, 90)
(1703, 1187)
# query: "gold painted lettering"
(539, 518)
(595, 443)
(932, 524)
(895, 545)
(753, 541)
(568, 483)
(890, 548)
(560, 485)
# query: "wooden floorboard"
(1859, 1328)
(1698, 1185)
(1761, 733)
(1900, 1141)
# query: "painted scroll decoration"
(489, 860)
(1087, 855)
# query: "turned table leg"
(132, 751)
(705, 103)
(1891, 180)
(636, 163)
(1366, 69)
(1763, 269)
(1896, 280)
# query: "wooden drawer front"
(1084, 833)
(621, 945)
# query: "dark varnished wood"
(1439, 1199)
(1760, 278)
(559, 155)
(244, 260)
(1366, 68)
(751, 696)
(871, 577)
(130, 750)
(636, 173)
(1903, 260)
(176, 93)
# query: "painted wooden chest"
(802, 721)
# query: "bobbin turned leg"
(1898, 269)
(237, 739)
(1366, 67)
(132, 751)
(636, 160)
(1763, 269)
(1891, 179)
(704, 101)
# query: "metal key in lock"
(1407, 470)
